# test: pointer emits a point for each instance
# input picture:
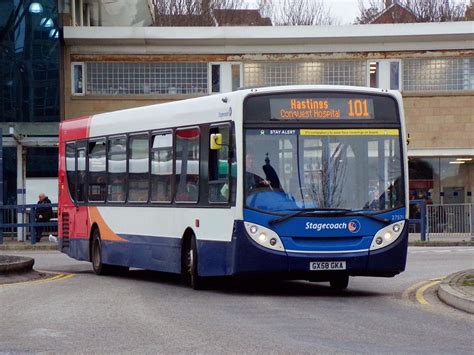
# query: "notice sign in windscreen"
(321, 108)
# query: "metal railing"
(454, 220)
(19, 221)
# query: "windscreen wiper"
(369, 215)
(323, 212)
(330, 212)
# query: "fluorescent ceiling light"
(464, 159)
(456, 162)
(35, 8)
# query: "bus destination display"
(321, 108)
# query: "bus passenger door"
(81, 216)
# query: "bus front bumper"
(251, 258)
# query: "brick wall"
(440, 121)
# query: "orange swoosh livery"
(105, 232)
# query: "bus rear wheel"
(96, 257)
(339, 282)
(190, 265)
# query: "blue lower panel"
(145, 252)
(77, 249)
(252, 258)
(214, 258)
(239, 257)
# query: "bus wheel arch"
(99, 267)
(189, 260)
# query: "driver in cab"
(253, 181)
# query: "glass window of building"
(438, 74)
(117, 79)
(445, 180)
(336, 72)
(77, 77)
(29, 62)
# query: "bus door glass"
(81, 215)
(68, 209)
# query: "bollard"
(32, 225)
(1, 225)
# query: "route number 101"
(358, 108)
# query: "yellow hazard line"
(419, 295)
(56, 277)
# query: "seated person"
(252, 180)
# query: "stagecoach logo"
(353, 226)
(227, 113)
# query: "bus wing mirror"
(216, 141)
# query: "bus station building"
(432, 64)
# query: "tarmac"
(457, 290)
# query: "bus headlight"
(387, 235)
(264, 236)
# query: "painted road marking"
(57, 277)
(419, 295)
(419, 288)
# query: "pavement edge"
(453, 296)
(19, 264)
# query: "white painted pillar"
(81, 13)
(73, 12)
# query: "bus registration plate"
(327, 265)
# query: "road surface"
(149, 312)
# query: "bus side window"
(71, 169)
(138, 167)
(117, 169)
(97, 176)
(187, 164)
(162, 167)
(219, 167)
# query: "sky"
(345, 10)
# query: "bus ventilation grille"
(65, 224)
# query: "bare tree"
(326, 184)
(297, 12)
(191, 12)
(423, 10)
(469, 15)
(437, 10)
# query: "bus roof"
(206, 109)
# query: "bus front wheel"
(190, 265)
(339, 282)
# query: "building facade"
(108, 69)
(29, 97)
